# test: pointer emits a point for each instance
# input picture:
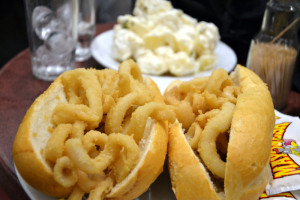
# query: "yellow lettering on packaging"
(284, 194)
(281, 164)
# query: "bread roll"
(247, 168)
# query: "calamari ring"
(118, 145)
(193, 135)
(64, 172)
(231, 93)
(55, 145)
(109, 81)
(196, 85)
(126, 84)
(197, 102)
(108, 102)
(203, 118)
(140, 116)
(70, 113)
(87, 182)
(131, 68)
(102, 188)
(76, 194)
(93, 92)
(89, 85)
(122, 147)
(82, 88)
(211, 101)
(184, 113)
(78, 129)
(217, 81)
(78, 155)
(93, 138)
(115, 116)
(207, 144)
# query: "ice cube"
(59, 42)
(65, 14)
(43, 21)
(46, 58)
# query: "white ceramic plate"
(160, 189)
(30, 191)
(101, 49)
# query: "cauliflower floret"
(185, 39)
(143, 8)
(139, 26)
(210, 32)
(170, 19)
(206, 62)
(125, 43)
(149, 63)
(182, 64)
(159, 36)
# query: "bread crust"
(140, 180)
(26, 159)
(188, 176)
(250, 136)
(247, 167)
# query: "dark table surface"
(18, 89)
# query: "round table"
(18, 89)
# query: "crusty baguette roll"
(32, 136)
(44, 117)
(246, 166)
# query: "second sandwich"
(220, 146)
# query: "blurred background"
(238, 22)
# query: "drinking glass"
(52, 35)
(86, 29)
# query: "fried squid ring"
(108, 102)
(102, 188)
(196, 85)
(93, 139)
(217, 81)
(76, 152)
(184, 113)
(88, 182)
(140, 116)
(64, 172)
(84, 85)
(211, 101)
(55, 145)
(76, 194)
(197, 102)
(78, 129)
(231, 93)
(120, 150)
(124, 151)
(113, 123)
(207, 143)
(93, 93)
(130, 67)
(70, 113)
(203, 118)
(108, 80)
(172, 96)
(193, 135)
(84, 95)
(126, 84)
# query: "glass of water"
(86, 29)
(52, 35)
